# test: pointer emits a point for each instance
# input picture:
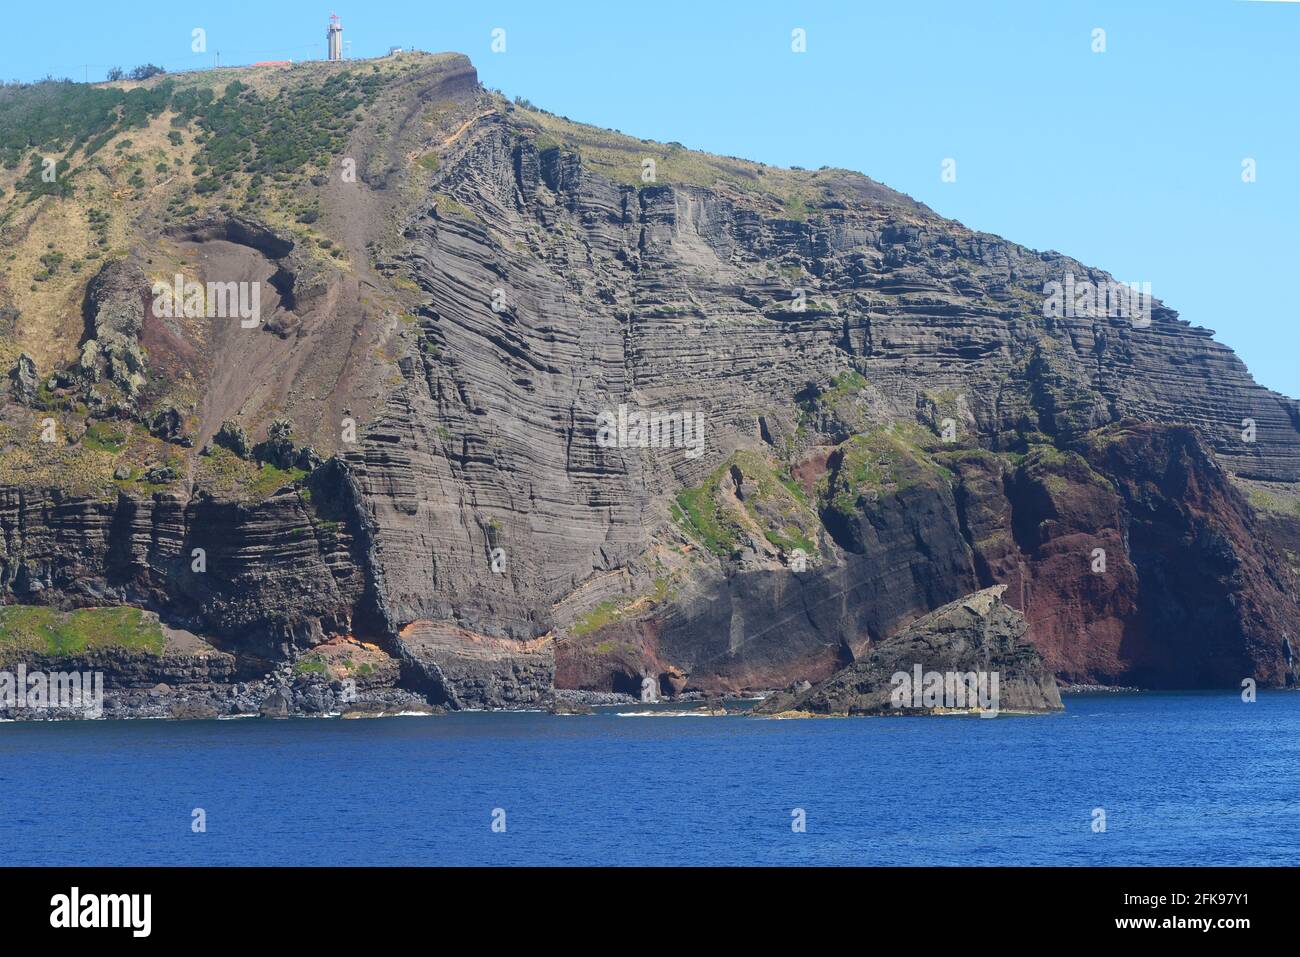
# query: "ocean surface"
(1182, 779)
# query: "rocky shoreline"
(279, 695)
(283, 695)
(192, 680)
(189, 687)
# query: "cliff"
(862, 411)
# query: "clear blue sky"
(1129, 160)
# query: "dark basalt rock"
(278, 704)
(978, 636)
(566, 706)
(279, 449)
(168, 424)
(265, 589)
(24, 384)
(232, 436)
(114, 310)
(160, 474)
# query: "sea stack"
(969, 656)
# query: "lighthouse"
(335, 37)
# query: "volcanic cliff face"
(862, 412)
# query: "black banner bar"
(334, 906)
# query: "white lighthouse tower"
(335, 37)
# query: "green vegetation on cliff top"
(241, 129)
(794, 194)
(885, 459)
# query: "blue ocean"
(1180, 779)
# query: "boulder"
(568, 706)
(232, 436)
(673, 680)
(23, 382)
(277, 704)
(161, 474)
(115, 306)
(168, 424)
(193, 710)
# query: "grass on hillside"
(619, 607)
(47, 631)
(885, 459)
(773, 503)
(227, 475)
(1276, 501)
(256, 140)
